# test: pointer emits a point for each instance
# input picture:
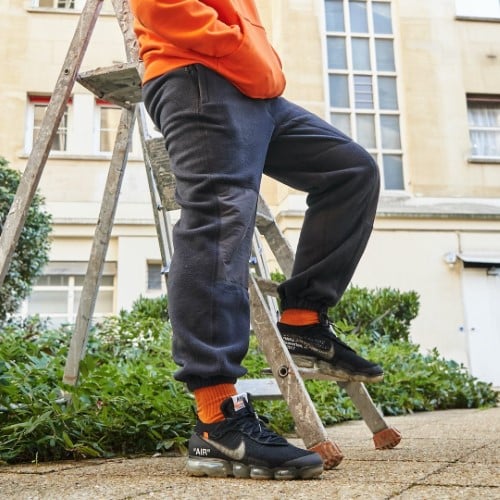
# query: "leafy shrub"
(383, 312)
(127, 401)
(32, 250)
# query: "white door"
(481, 288)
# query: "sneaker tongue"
(234, 404)
(239, 401)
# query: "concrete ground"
(443, 455)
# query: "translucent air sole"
(225, 468)
(327, 368)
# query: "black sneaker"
(317, 347)
(242, 446)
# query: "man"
(212, 85)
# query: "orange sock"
(208, 401)
(299, 317)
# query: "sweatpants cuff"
(194, 383)
(302, 304)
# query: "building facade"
(416, 83)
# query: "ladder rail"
(163, 223)
(100, 244)
(291, 385)
(276, 240)
(262, 269)
(285, 372)
(125, 21)
(384, 436)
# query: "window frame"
(483, 99)
(135, 150)
(156, 290)
(353, 110)
(101, 104)
(77, 5)
(73, 271)
(34, 101)
(482, 10)
(82, 128)
(34, 5)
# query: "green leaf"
(67, 441)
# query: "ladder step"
(268, 389)
(160, 164)
(260, 388)
(119, 84)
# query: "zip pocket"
(197, 74)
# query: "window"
(106, 121)
(58, 4)
(88, 127)
(68, 5)
(56, 294)
(482, 9)
(362, 81)
(154, 276)
(37, 105)
(108, 118)
(484, 127)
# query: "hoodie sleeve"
(188, 24)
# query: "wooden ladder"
(121, 85)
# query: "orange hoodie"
(224, 35)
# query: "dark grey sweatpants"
(220, 142)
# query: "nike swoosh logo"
(330, 353)
(236, 454)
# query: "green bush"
(383, 312)
(128, 403)
(32, 250)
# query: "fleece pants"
(220, 143)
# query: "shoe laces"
(247, 421)
(330, 330)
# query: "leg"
(342, 182)
(217, 140)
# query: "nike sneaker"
(242, 446)
(317, 347)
